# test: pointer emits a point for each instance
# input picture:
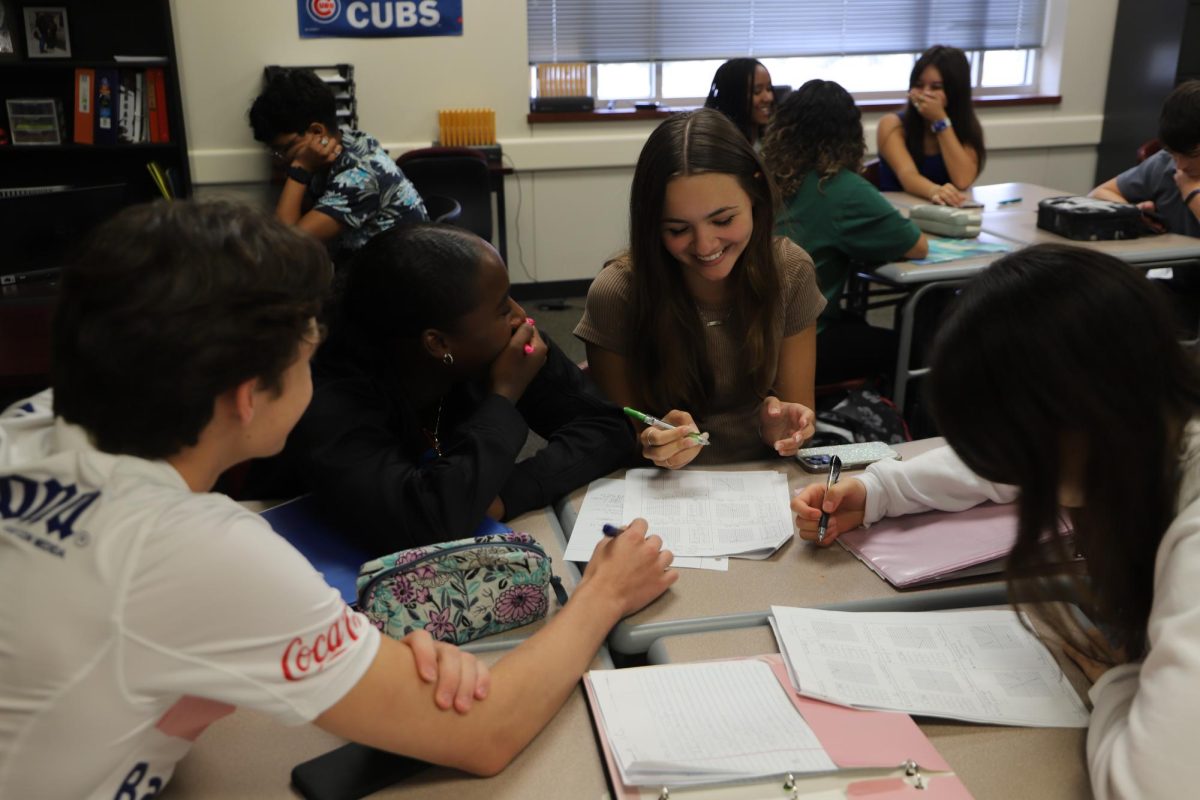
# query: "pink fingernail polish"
(529, 320)
(528, 349)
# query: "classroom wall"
(567, 202)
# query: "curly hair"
(292, 100)
(818, 128)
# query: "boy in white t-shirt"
(136, 607)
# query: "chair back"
(459, 173)
(442, 209)
(870, 171)
(1148, 148)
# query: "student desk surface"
(1017, 223)
(250, 756)
(798, 574)
(993, 761)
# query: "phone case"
(853, 456)
(352, 771)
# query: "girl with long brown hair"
(707, 314)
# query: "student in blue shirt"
(934, 147)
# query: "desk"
(798, 574)
(1016, 224)
(992, 761)
(249, 755)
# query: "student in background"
(741, 90)
(427, 389)
(934, 147)
(1060, 386)
(341, 186)
(707, 316)
(1167, 184)
(181, 347)
(814, 150)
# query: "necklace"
(717, 320)
(432, 436)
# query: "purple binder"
(937, 545)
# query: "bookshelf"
(98, 33)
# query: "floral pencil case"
(461, 590)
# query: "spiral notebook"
(937, 546)
(737, 729)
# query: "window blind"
(608, 31)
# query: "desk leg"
(908, 314)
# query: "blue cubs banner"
(379, 18)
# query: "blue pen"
(613, 530)
(1010, 201)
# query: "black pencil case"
(1089, 219)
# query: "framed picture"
(9, 25)
(35, 121)
(46, 34)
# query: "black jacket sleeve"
(587, 437)
(356, 450)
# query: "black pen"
(835, 472)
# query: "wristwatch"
(940, 125)
(299, 175)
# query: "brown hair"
(171, 304)
(669, 359)
(817, 128)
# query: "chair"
(1148, 148)
(25, 323)
(870, 171)
(460, 173)
(442, 209)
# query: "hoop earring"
(448, 360)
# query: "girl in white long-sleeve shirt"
(1059, 385)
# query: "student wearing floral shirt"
(342, 186)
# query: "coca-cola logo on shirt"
(301, 658)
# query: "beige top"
(733, 417)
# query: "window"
(668, 50)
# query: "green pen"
(655, 422)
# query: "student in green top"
(814, 148)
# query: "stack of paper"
(703, 723)
(977, 665)
(702, 516)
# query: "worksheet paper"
(604, 504)
(688, 724)
(702, 513)
(979, 665)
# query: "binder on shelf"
(83, 130)
(157, 97)
(108, 92)
(918, 549)
(877, 754)
(152, 105)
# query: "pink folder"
(853, 738)
(937, 545)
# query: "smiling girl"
(741, 90)
(934, 147)
(706, 314)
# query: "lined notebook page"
(702, 723)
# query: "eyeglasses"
(281, 153)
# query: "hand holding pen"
(842, 505)
(671, 442)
